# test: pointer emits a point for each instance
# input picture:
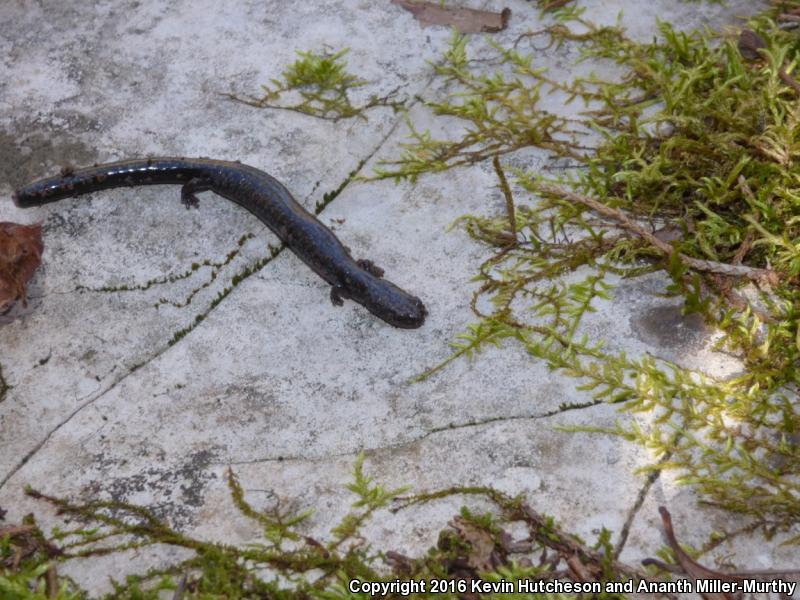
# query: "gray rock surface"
(275, 381)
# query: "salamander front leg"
(189, 189)
(338, 294)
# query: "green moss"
(320, 86)
(193, 268)
(216, 267)
(330, 196)
(235, 280)
(475, 545)
(28, 566)
(693, 139)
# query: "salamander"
(263, 196)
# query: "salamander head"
(386, 301)
(406, 311)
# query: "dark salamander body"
(267, 199)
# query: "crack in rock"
(198, 318)
(427, 434)
(551, 413)
(637, 505)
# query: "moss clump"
(684, 164)
(320, 86)
(287, 563)
(28, 565)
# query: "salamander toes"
(370, 267)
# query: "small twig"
(528, 34)
(747, 243)
(788, 79)
(16, 530)
(542, 531)
(577, 569)
(752, 47)
(51, 581)
(654, 562)
(693, 569)
(512, 219)
(181, 589)
(725, 289)
(697, 571)
(330, 111)
(766, 276)
(551, 4)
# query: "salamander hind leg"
(370, 267)
(189, 189)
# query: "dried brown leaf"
(466, 20)
(21, 250)
(482, 555)
(751, 44)
(400, 563)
